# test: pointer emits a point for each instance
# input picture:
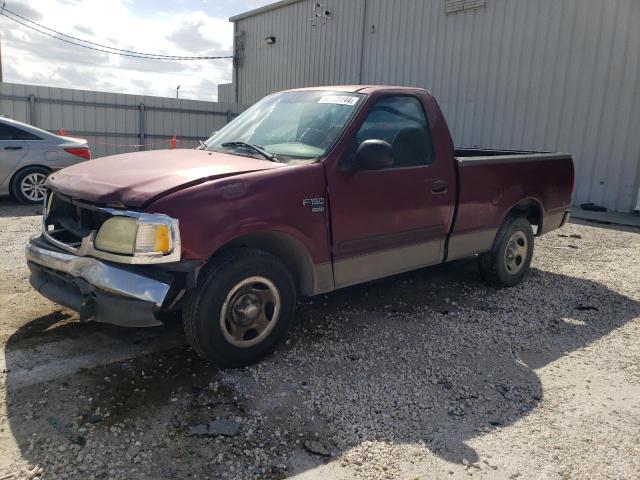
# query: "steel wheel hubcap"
(250, 311)
(33, 188)
(516, 253)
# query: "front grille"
(68, 220)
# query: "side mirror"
(374, 155)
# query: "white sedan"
(29, 154)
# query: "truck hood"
(135, 179)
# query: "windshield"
(290, 125)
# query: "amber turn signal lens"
(163, 239)
(153, 238)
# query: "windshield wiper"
(254, 148)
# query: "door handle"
(439, 187)
(13, 148)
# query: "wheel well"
(17, 172)
(289, 250)
(531, 210)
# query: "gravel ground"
(424, 375)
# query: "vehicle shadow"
(431, 357)
(607, 225)
(12, 208)
(468, 353)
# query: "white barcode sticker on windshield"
(339, 100)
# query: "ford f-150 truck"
(307, 191)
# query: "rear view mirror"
(374, 155)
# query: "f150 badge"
(316, 204)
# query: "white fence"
(113, 122)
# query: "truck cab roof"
(364, 89)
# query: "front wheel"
(243, 306)
(510, 257)
(28, 186)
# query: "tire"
(28, 185)
(242, 307)
(510, 257)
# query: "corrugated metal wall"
(111, 122)
(303, 54)
(226, 93)
(541, 75)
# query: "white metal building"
(523, 74)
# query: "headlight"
(132, 236)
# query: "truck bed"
(492, 182)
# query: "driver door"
(395, 219)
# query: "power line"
(98, 44)
(37, 57)
(102, 48)
(118, 51)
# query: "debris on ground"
(587, 308)
(65, 429)
(313, 446)
(220, 426)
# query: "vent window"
(456, 6)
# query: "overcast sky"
(174, 27)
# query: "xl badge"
(316, 204)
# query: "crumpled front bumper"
(98, 290)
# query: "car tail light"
(79, 152)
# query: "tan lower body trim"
(468, 244)
(322, 278)
(364, 268)
(552, 220)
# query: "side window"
(400, 121)
(5, 133)
(8, 132)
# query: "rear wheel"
(510, 257)
(242, 308)
(28, 186)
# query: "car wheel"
(510, 257)
(241, 309)
(28, 186)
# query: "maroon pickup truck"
(307, 191)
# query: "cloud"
(161, 66)
(257, 3)
(29, 57)
(189, 37)
(24, 10)
(25, 44)
(83, 29)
